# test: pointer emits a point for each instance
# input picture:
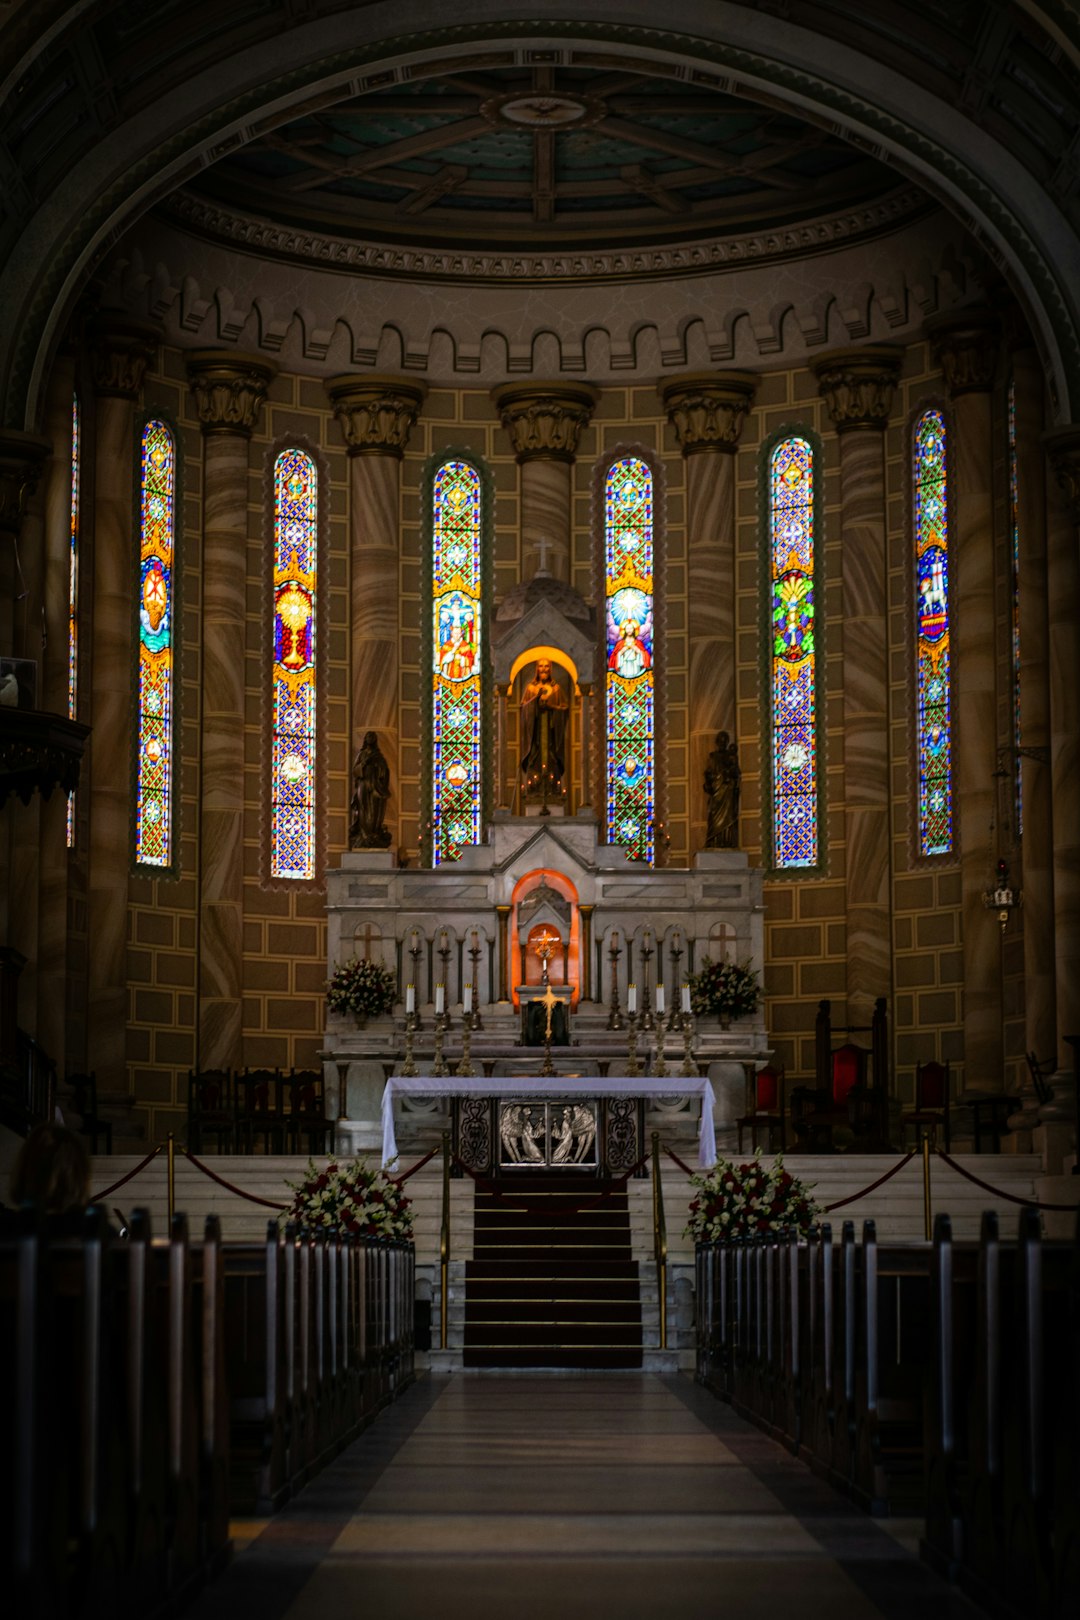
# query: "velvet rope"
(142, 1164)
(853, 1198)
(532, 1209)
(239, 1191)
(1031, 1203)
(413, 1168)
(674, 1157)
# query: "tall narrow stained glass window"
(456, 659)
(157, 541)
(1014, 605)
(293, 687)
(628, 589)
(793, 660)
(932, 679)
(73, 596)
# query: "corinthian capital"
(120, 351)
(376, 413)
(545, 420)
(857, 385)
(707, 409)
(965, 345)
(21, 458)
(1063, 449)
(229, 388)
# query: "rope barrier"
(853, 1198)
(97, 1198)
(399, 1181)
(239, 1191)
(1031, 1203)
(674, 1157)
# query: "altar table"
(425, 1085)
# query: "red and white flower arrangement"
(749, 1200)
(352, 1198)
(730, 989)
(361, 987)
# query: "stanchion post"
(928, 1218)
(444, 1244)
(659, 1237)
(171, 1177)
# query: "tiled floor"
(536, 1497)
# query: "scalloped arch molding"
(204, 101)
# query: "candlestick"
(615, 1020)
(689, 1067)
(440, 1000)
(631, 999)
(646, 959)
(686, 998)
(415, 951)
(633, 1067)
(660, 1001)
(660, 1068)
(410, 999)
(439, 1068)
(409, 1066)
(466, 999)
(476, 1022)
(465, 1069)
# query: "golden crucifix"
(549, 1000)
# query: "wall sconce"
(1001, 898)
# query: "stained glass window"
(932, 678)
(628, 576)
(456, 659)
(794, 662)
(293, 705)
(1014, 606)
(157, 539)
(73, 596)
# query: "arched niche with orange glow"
(525, 886)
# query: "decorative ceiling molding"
(218, 223)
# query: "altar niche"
(543, 697)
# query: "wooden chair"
(307, 1116)
(768, 1107)
(259, 1110)
(1040, 1077)
(84, 1101)
(931, 1101)
(211, 1108)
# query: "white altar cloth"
(536, 1085)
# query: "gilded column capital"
(545, 419)
(965, 345)
(121, 349)
(21, 459)
(1063, 449)
(376, 412)
(857, 385)
(229, 388)
(707, 409)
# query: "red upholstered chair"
(848, 1071)
(931, 1100)
(768, 1107)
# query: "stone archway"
(158, 116)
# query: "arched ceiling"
(504, 156)
(108, 106)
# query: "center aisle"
(484, 1497)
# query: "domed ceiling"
(504, 158)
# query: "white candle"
(410, 998)
(660, 999)
(686, 998)
(631, 998)
(466, 1000)
(440, 998)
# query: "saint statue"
(544, 713)
(371, 789)
(722, 777)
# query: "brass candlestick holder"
(689, 1067)
(415, 950)
(465, 1070)
(646, 1000)
(439, 1068)
(675, 953)
(660, 1067)
(408, 1068)
(615, 1017)
(475, 1020)
(633, 1067)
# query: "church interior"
(539, 653)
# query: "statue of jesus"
(544, 713)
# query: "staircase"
(552, 1282)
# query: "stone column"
(229, 389)
(503, 914)
(707, 411)
(544, 421)
(585, 952)
(1063, 648)
(376, 415)
(121, 350)
(1040, 1025)
(966, 347)
(857, 386)
(22, 457)
(586, 805)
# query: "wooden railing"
(162, 1385)
(933, 1378)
